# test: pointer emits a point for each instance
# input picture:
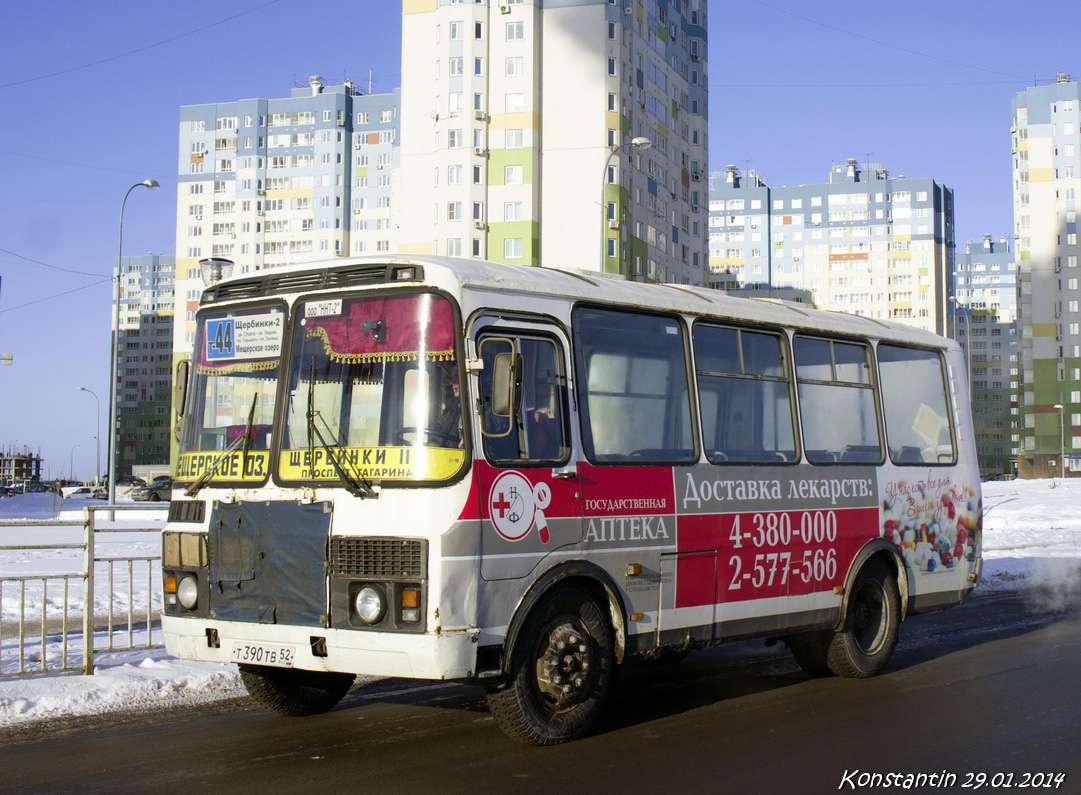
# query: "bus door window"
(915, 405)
(537, 431)
(837, 401)
(745, 395)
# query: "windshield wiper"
(244, 440)
(357, 486)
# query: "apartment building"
(863, 242)
(1046, 144)
(271, 182)
(144, 362)
(568, 133)
(984, 307)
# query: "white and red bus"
(523, 477)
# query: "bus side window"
(634, 400)
(915, 405)
(538, 432)
(746, 395)
(837, 401)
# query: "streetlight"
(640, 142)
(115, 352)
(71, 464)
(1061, 441)
(97, 432)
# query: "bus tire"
(293, 692)
(811, 651)
(863, 646)
(561, 669)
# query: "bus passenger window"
(745, 395)
(538, 431)
(635, 398)
(837, 401)
(914, 401)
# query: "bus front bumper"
(443, 655)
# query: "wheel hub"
(563, 667)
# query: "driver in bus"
(447, 427)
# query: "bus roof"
(592, 286)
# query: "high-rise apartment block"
(144, 364)
(269, 182)
(985, 323)
(568, 133)
(863, 243)
(1046, 188)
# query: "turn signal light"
(410, 597)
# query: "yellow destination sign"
(231, 467)
(372, 463)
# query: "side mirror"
(180, 394)
(507, 383)
(505, 397)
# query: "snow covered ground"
(1032, 541)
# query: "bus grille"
(187, 511)
(378, 558)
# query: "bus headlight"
(187, 591)
(370, 604)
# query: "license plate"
(263, 654)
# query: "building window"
(512, 248)
(456, 66)
(513, 139)
(515, 31)
(454, 211)
(515, 67)
(512, 175)
(514, 103)
(512, 211)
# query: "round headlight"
(369, 604)
(187, 592)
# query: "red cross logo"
(502, 505)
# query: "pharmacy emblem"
(515, 505)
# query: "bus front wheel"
(561, 669)
(293, 692)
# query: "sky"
(1032, 543)
(90, 95)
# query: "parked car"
(82, 493)
(36, 488)
(130, 480)
(161, 488)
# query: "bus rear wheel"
(292, 692)
(864, 645)
(561, 669)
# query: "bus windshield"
(373, 391)
(228, 433)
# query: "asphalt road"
(990, 687)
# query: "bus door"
(530, 500)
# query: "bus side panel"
(934, 517)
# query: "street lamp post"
(71, 464)
(640, 142)
(1061, 441)
(97, 434)
(115, 352)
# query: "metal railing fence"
(74, 628)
